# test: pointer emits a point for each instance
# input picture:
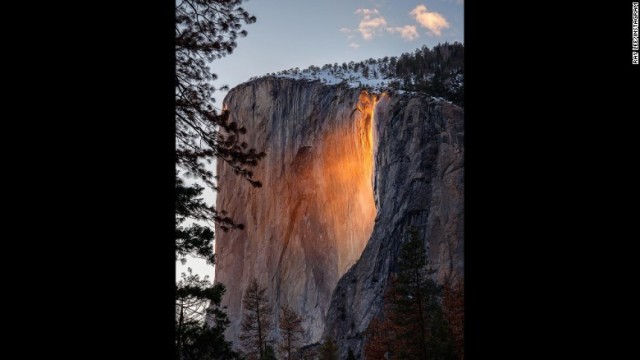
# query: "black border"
(106, 255)
(106, 134)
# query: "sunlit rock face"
(311, 219)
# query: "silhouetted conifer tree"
(256, 322)
(413, 325)
(291, 332)
(207, 30)
(196, 340)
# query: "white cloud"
(408, 32)
(431, 20)
(370, 26)
(354, 45)
(373, 24)
(367, 12)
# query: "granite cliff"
(418, 183)
(346, 174)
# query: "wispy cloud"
(369, 25)
(367, 12)
(431, 20)
(373, 24)
(408, 32)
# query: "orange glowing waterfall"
(344, 171)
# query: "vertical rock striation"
(314, 213)
(344, 177)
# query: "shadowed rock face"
(342, 171)
(315, 211)
(418, 183)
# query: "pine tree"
(195, 240)
(417, 308)
(291, 331)
(436, 85)
(196, 300)
(207, 30)
(383, 339)
(416, 290)
(256, 322)
(412, 323)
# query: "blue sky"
(300, 33)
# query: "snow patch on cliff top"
(436, 72)
(370, 76)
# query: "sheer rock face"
(344, 177)
(314, 214)
(418, 183)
